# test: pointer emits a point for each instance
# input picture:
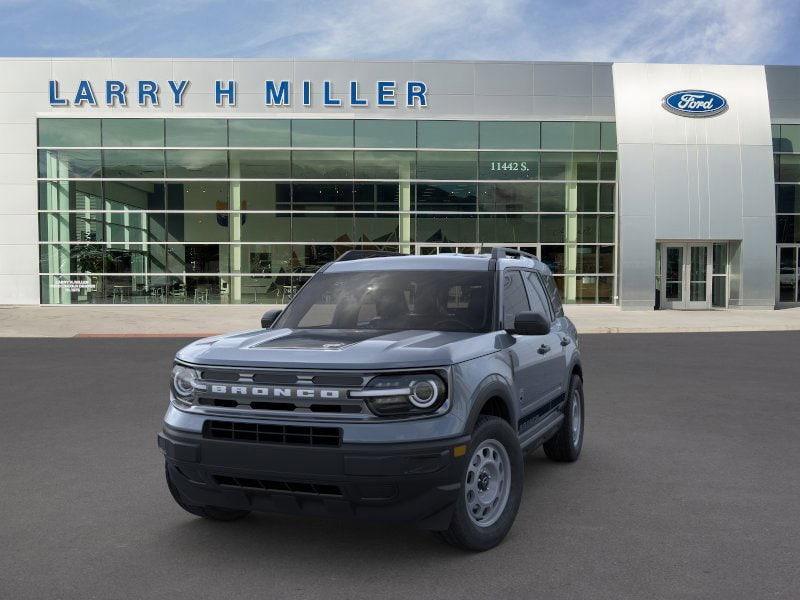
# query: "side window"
(515, 299)
(537, 295)
(552, 292)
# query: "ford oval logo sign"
(695, 103)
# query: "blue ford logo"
(695, 103)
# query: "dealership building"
(161, 181)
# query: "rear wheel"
(491, 488)
(566, 444)
(215, 513)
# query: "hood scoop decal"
(325, 339)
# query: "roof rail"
(500, 252)
(359, 254)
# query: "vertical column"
(57, 230)
(405, 208)
(235, 232)
(571, 231)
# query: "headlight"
(184, 381)
(404, 394)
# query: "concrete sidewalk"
(198, 321)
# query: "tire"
(566, 444)
(215, 513)
(493, 443)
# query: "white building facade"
(231, 181)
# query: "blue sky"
(712, 31)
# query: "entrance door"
(686, 276)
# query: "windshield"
(394, 301)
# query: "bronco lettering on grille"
(277, 392)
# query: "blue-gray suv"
(391, 387)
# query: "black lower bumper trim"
(400, 482)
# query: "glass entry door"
(686, 276)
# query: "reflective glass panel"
(383, 133)
(447, 165)
(586, 259)
(263, 195)
(383, 196)
(385, 164)
(133, 132)
(260, 164)
(322, 227)
(557, 165)
(134, 195)
(787, 198)
(70, 195)
(259, 133)
(197, 164)
(322, 196)
(508, 197)
(265, 227)
(553, 257)
(587, 197)
(552, 228)
(66, 133)
(197, 133)
(447, 134)
(63, 164)
(509, 134)
(789, 170)
(198, 227)
(557, 135)
(790, 138)
(322, 133)
(608, 136)
(377, 227)
(198, 195)
(606, 197)
(553, 197)
(508, 229)
(587, 136)
(132, 164)
(446, 197)
(322, 164)
(446, 228)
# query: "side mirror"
(269, 317)
(531, 323)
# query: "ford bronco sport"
(391, 387)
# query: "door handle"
(543, 349)
(565, 341)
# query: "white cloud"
(736, 31)
(713, 31)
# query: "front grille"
(292, 487)
(267, 433)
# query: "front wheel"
(566, 444)
(491, 488)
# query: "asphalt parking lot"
(688, 487)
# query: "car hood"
(339, 349)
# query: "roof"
(444, 262)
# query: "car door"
(528, 360)
(554, 361)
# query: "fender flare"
(491, 387)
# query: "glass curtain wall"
(245, 210)
(786, 148)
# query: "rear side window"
(537, 295)
(515, 298)
(552, 292)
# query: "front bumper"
(398, 482)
